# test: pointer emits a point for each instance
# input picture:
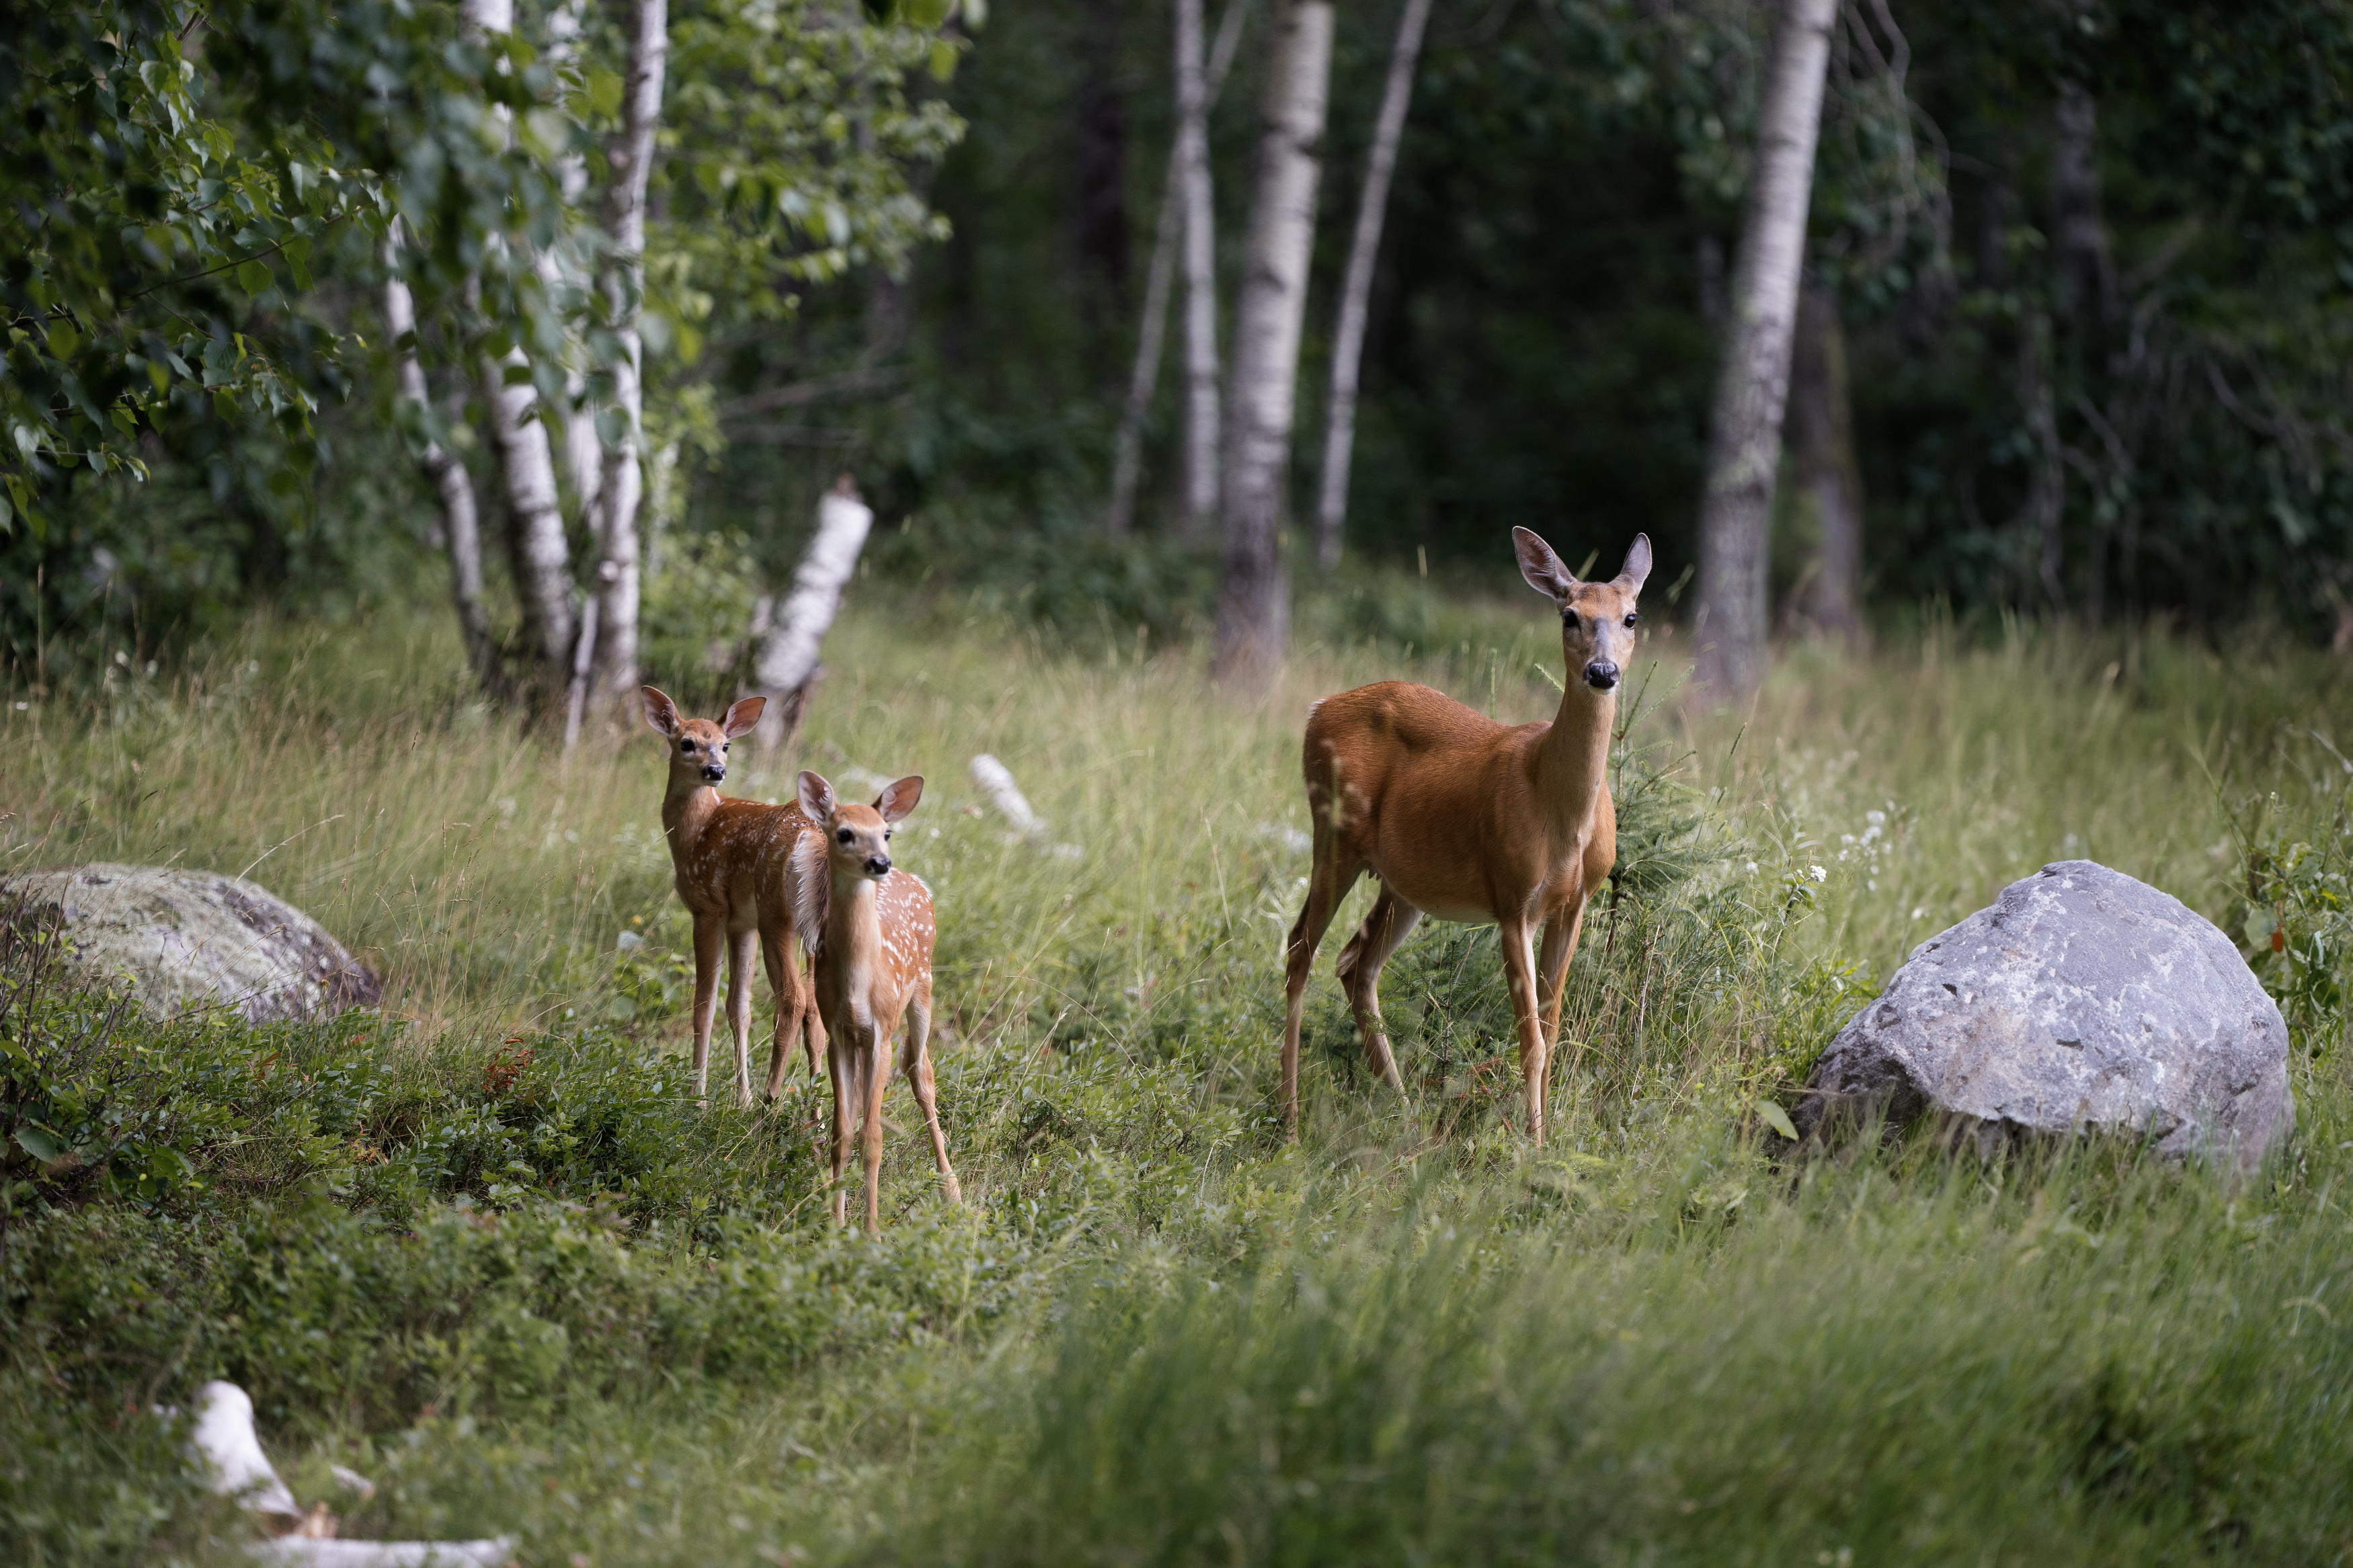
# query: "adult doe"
(1466, 819)
(751, 875)
(873, 965)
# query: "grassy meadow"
(482, 1246)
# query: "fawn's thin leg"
(812, 1023)
(1386, 924)
(710, 937)
(740, 948)
(785, 988)
(874, 1061)
(916, 1063)
(848, 1112)
(1327, 884)
(1520, 976)
(1552, 978)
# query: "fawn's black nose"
(876, 864)
(714, 771)
(1601, 675)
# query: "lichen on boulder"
(185, 940)
(2082, 999)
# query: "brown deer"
(873, 965)
(1466, 819)
(749, 875)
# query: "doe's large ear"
(897, 800)
(660, 712)
(816, 798)
(743, 716)
(1638, 564)
(1541, 567)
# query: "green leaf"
(929, 15)
(64, 340)
(1773, 1116)
(252, 276)
(943, 60)
(605, 92)
(40, 1142)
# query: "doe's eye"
(1632, 617)
(887, 831)
(724, 747)
(1569, 620)
(845, 836)
(686, 745)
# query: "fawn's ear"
(899, 799)
(1541, 567)
(660, 712)
(743, 716)
(816, 798)
(1638, 564)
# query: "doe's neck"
(1573, 758)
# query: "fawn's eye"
(887, 831)
(686, 745)
(1631, 618)
(724, 747)
(845, 836)
(1569, 620)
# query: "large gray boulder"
(2082, 999)
(191, 938)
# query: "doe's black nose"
(714, 773)
(878, 864)
(1601, 675)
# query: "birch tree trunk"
(1364, 247)
(786, 666)
(1829, 481)
(1753, 383)
(1252, 594)
(1204, 426)
(1168, 228)
(526, 467)
(622, 482)
(453, 490)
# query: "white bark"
(622, 482)
(453, 490)
(527, 466)
(786, 666)
(1201, 296)
(1203, 426)
(1252, 594)
(1364, 248)
(1752, 382)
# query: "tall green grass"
(565, 1300)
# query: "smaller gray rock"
(2081, 999)
(191, 938)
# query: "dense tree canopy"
(2092, 260)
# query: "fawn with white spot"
(873, 965)
(751, 875)
(1466, 819)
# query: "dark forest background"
(2146, 422)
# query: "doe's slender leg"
(1390, 921)
(1327, 884)
(1520, 976)
(740, 948)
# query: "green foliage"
(484, 1247)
